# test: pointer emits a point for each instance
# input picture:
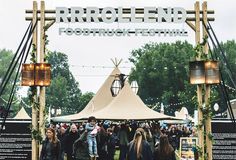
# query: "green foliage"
(6, 57)
(33, 54)
(161, 71)
(57, 93)
(85, 98)
(64, 92)
(36, 134)
(230, 53)
(199, 51)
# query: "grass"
(116, 157)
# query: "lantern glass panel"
(212, 72)
(197, 72)
(134, 86)
(27, 75)
(42, 74)
(115, 87)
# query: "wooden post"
(199, 87)
(34, 107)
(208, 124)
(207, 90)
(42, 89)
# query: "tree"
(230, 53)
(6, 56)
(228, 72)
(58, 93)
(163, 76)
(64, 92)
(161, 71)
(85, 98)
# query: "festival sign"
(224, 140)
(15, 141)
(187, 145)
(109, 15)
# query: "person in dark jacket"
(164, 151)
(62, 137)
(139, 148)
(111, 144)
(173, 137)
(72, 136)
(123, 141)
(102, 144)
(80, 148)
(51, 146)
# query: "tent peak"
(116, 62)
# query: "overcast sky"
(92, 51)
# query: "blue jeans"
(92, 145)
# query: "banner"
(224, 140)
(15, 141)
(187, 145)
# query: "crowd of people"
(99, 141)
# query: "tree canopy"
(64, 92)
(6, 56)
(162, 72)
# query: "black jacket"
(55, 152)
(69, 141)
(158, 156)
(146, 151)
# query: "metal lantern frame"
(119, 82)
(204, 72)
(134, 86)
(27, 75)
(36, 74)
(116, 87)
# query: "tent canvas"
(127, 106)
(182, 114)
(101, 99)
(22, 114)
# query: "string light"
(7, 101)
(87, 66)
(154, 106)
(230, 88)
(25, 104)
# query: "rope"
(23, 56)
(11, 66)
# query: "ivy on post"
(206, 73)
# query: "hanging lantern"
(115, 87)
(134, 86)
(27, 75)
(212, 72)
(197, 72)
(42, 74)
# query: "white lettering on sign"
(110, 15)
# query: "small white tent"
(22, 114)
(183, 114)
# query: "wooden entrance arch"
(194, 19)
